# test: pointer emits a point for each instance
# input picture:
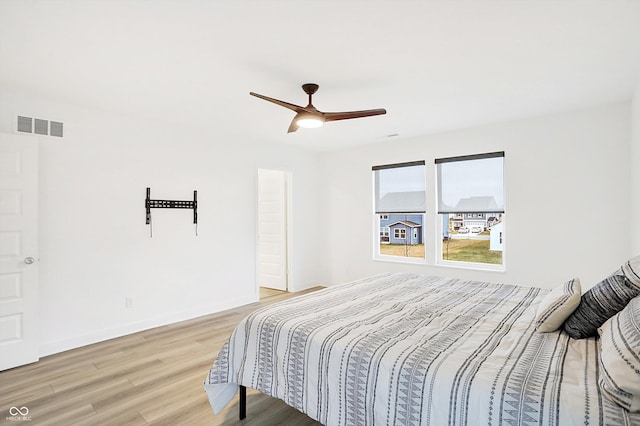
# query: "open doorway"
(274, 220)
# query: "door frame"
(288, 211)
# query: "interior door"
(18, 250)
(272, 229)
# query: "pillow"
(604, 300)
(631, 270)
(620, 357)
(557, 306)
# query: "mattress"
(406, 349)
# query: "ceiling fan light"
(309, 122)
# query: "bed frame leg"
(243, 402)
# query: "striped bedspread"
(404, 349)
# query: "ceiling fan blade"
(310, 117)
(292, 107)
(334, 116)
(294, 125)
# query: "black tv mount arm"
(172, 204)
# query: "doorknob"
(29, 260)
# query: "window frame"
(436, 234)
(378, 217)
(439, 218)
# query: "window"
(384, 235)
(472, 209)
(399, 206)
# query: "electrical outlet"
(128, 302)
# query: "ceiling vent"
(38, 126)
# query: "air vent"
(55, 129)
(39, 126)
(25, 124)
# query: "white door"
(272, 229)
(18, 250)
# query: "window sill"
(488, 267)
(398, 259)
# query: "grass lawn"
(416, 250)
(470, 251)
(459, 250)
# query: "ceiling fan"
(310, 117)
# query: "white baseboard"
(50, 348)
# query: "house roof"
(390, 201)
(405, 223)
(471, 204)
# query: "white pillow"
(557, 306)
(620, 357)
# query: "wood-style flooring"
(153, 377)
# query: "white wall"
(635, 171)
(568, 184)
(567, 194)
(95, 248)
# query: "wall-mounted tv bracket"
(171, 204)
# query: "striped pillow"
(604, 300)
(631, 270)
(557, 306)
(620, 357)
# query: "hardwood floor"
(266, 293)
(154, 377)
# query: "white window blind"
(400, 188)
(471, 184)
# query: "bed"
(406, 349)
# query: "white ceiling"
(434, 65)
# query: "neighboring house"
(472, 220)
(493, 219)
(401, 229)
(405, 232)
(495, 237)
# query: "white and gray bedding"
(404, 349)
